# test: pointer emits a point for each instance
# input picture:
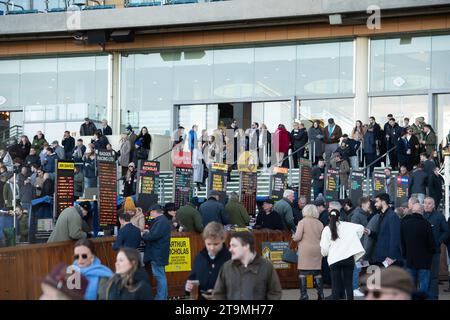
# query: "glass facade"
(341, 110)
(55, 90)
(153, 82)
(410, 63)
(400, 107)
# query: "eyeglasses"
(83, 256)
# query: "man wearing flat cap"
(69, 225)
(157, 247)
(393, 283)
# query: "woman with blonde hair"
(307, 236)
(265, 146)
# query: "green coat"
(68, 226)
(23, 223)
(38, 144)
(237, 213)
(284, 209)
(8, 195)
(189, 218)
(430, 143)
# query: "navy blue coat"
(206, 269)
(129, 236)
(157, 242)
(353, 146)
(49, 165)
(213, 210)
(439, 227)
(89, 168)
(388, 240)
(369, 143)
(402, 147)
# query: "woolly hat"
(129, 205)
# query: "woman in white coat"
(197, 164)
(340, 242)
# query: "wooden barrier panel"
(22, 267)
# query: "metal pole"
(447, 184)
(367, 181)
(14, 202)
(290, 167)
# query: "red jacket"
(281, 140)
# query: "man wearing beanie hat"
(393, 283)
(70, 222)
(387, 249)
(139, 152)
(63, 283)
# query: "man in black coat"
(87, 128)
(106, 129)
(418, 246)
(269, 219)
(435, 183)
(393, 132)
(68, 143)
(129, 236)
(299, 137)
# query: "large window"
(400, 107)
(325, 68)
(341, 110)
(410, 63)
(55, 91)
(153, 82)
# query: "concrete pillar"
(113, 107)
(362, 79)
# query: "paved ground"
(294, 294)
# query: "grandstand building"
(163, 63)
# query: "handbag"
(290, 256)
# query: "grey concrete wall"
(201, 13)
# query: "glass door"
(442, 116)
(205, 116)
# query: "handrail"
(377, 159)
(299, 149)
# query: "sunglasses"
(83, 256)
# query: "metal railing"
(367, 167)
(9, 134)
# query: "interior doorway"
(241, 112)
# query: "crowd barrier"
(22, 267)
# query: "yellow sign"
(180, 255)
(66, 165)
(219, 166)
(247, 162)
(280, 170)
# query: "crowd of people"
(336, 240)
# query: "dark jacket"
(101, 143)
(49, 165)
(213, 210)
(417, 182)
(129, 187)
(29, 160)
(394, 133)
(189, 218)
(48, 189)
(106, 131)
(259, 281)
(23, 150)
(89, 168)
(418, 244)
(140, 154)
(353, 146)
(435, 188)
(359, 216)
(78, 153)
(430, 142)
(402, 148)
(428, 167)
(370, 142)
(298, 138)
(439, 227)
(157, 242)
(68, 144)
(269, 221)
(387, 238)
(87, 130)
(297, 212)
(324, 217)
(206, 269)
(142, 288)
(316, 172)
(146, 140)
(129, 236)
(27, 193)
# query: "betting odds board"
(107, 182)
(304, 186)
(147, 184)
(278, 183)
(64, 188)
(217, 179)
(331, 184)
